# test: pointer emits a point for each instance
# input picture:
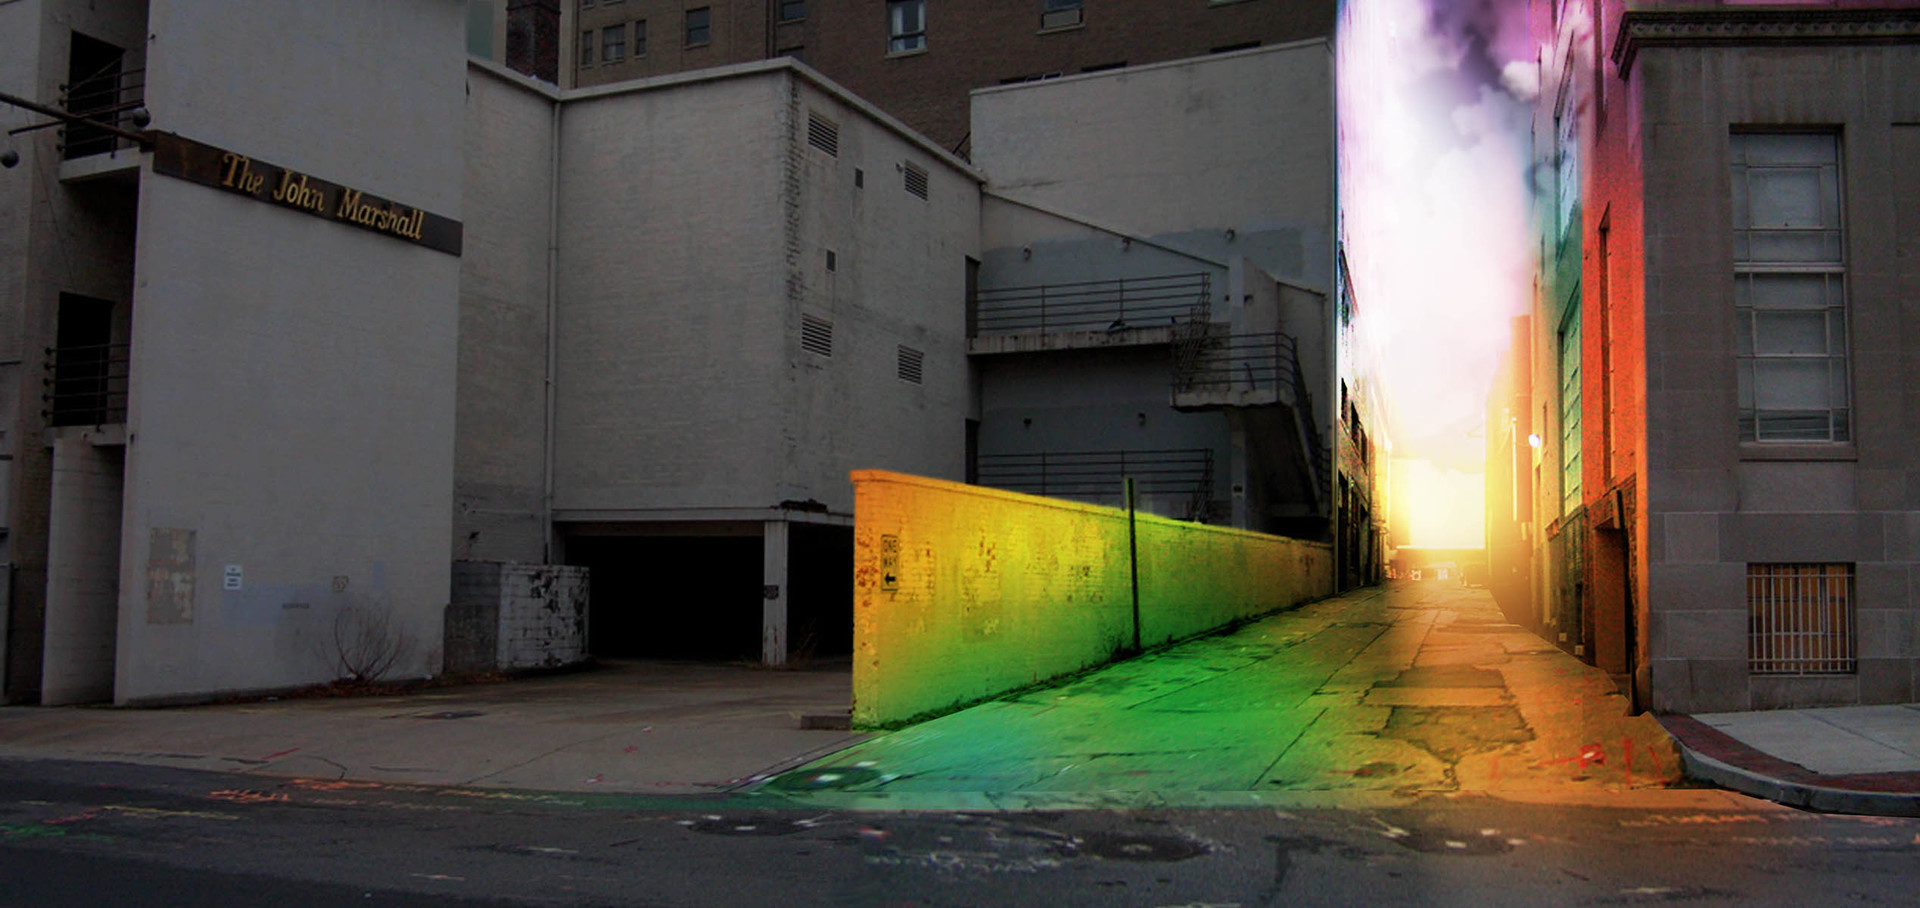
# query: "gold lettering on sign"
(240, 175)
(297, 193)
(397, 220)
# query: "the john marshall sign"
(234, 172)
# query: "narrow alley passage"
(1413, 688)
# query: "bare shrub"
(365, 644)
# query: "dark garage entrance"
(697, 591)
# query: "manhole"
(1137, 847)
(829, 778)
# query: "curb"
(1807, 795)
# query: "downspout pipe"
(553, 296)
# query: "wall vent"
(823, 134)
(916, 180)
(909, 365)
(816, 335)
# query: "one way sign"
(889, 563)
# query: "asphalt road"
(114, 834)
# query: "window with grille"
(908, 365)
(823, 134)
(916, 180)
(699, 26)
(1790, 301)
(816, 335)
(1800, 619)
(906, 26)
(613, 43)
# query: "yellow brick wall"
(963, 592)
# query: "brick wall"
(512, 616)
(543, 615)
(963, 592)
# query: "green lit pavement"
(1371, 698)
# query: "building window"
(793, 10)
(1566, 181)
(1570, 407)
(833, 261)
(586, 48)
(640, 38)
(1800, 619)
(906, 26)
(613, 43)
(699, 26)
(1060, 13)
(1790, 301)
(916, 179)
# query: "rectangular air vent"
(916, 180)
(908, 367)
(823, 134)
(816, 335)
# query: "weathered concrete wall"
(962, 592)
(83, 557)
(473, 618)
(293, 379)
(670, 277)
(1181, 152)
(695, 231)
(500, 441)
(511, 616)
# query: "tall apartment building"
(1721, 373)
(914, 59)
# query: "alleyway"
(1417, 687)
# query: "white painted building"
(292, 326)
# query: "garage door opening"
(708, 591)
(672, 597)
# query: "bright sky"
(1434, 122)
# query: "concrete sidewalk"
(1375, 698)
(621, 727)
(1860, 759)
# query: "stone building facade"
(1722, 362)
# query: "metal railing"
(1211, 362)
(85, 386)
(1238, 362)
(1111, 305)
(1800, 619)
(109, 98)
(1184, 475)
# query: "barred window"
(1800, 619)
(1790, 300)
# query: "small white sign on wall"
(231, 579)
